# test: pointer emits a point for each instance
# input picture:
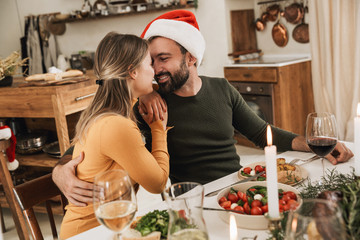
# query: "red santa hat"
(5, 134)
(180, 26)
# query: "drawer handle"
(83, 97)
(247, 75)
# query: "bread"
(132, 234)
(54, 76)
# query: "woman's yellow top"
(115, 142)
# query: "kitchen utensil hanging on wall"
(55, 27)
(301, 32)
(280, 34)
(273, 12)
(294, 13)
(260, 23)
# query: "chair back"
(32, 193)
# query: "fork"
(303, 160)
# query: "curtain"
(335, 39)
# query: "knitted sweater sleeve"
(248, 123)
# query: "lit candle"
(233, 228)
(357, 140)
(271, 176)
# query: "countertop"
(272, 61)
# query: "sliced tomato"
(256, 203)
(242, 196)
(292, 204)
(256, 211)
(239, 209)
(292, 195)
(265, 208)
(247, 170)
(258, 168)
(285, 197)
(226, 204)
(282, 202)
(232, 197)
(247, 208)
(223, 199)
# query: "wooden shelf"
(150, 10)
(37, 160)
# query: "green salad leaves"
(154, 221)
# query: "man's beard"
(176, 81)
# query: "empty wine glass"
(315, 219)
(321, 133)
(114, 200)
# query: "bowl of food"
(290, 174)
(248, 202)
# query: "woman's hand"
(153, 106)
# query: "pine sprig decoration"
(331, 181)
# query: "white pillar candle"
(357, 140)
(233, 228)
(271, 176)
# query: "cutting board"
(243, 30)
(54, 83)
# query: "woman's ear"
(133, 73)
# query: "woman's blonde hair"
(116, 56)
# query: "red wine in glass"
(322, 146)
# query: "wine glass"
(114, 200)
(321, 133)
(315, 219)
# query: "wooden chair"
(7, 184)
(32, 193)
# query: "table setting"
(322, 201)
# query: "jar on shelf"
(86, 9)
(100, 7)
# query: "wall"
(213, 17)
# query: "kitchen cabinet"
(290, 91)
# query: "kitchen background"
(213, 17)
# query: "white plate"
(301, 172)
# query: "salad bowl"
(253, 218)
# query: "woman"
(107, 132)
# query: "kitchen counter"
(272, 61)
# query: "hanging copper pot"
(294, 13)
(273, 12)
(279, 34)
(301, 32)
(259, 24)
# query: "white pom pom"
(5, 133)
(13, 165)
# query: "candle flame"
(269, 135)
(358, 110)
(233, 228)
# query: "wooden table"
(217, 228)
(46, 102)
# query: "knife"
(222, 210)
(241, 181)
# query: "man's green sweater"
(201, 144)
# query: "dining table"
(216, 227)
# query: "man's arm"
(76, 191)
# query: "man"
(204, 112)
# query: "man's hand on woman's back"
(76, 191)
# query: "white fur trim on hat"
(183, 33)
